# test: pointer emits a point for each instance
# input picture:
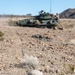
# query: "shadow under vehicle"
(44, 19)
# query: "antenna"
(50, 6)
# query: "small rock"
(47, 68)
(72, 42)
(35, 72)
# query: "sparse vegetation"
(71, 68)
(67, 69)
(11, 22)
(1, 36)
(30, 60)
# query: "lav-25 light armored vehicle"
(44, 19)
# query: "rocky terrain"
(50, 51)
(68, 13)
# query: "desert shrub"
(11, 22)
(31, 61)
(1, 36)
(71, 68)
(68, 69)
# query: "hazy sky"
(34, 6)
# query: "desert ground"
(54, 49)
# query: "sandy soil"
(54, 49)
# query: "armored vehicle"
(44, 19)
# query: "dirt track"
(55, 51)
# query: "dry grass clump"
(71, 68)
(11, 22)
(68, 69)
(1, 36)
(30, 60)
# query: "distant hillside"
(69, 13)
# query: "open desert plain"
(23, 49)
